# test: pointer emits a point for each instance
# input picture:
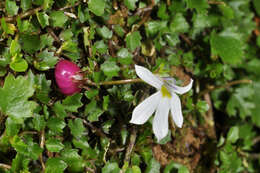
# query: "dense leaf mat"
(214, 42)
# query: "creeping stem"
(229, 84)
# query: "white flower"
(161, 102)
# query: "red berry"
(65, 73)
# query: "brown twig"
(34, 11)
(5, 166)
(28, 132)
(186, 39)
(130, 145)
(256, 140)
(42, 143)
(145, 9)
(24, 15)
(209, 117)
(254, 155)
(90, 170)
(216, 3)
(54, 36)
(70, 6)
(229, 84)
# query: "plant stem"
(116, 82)
(216, 3)
(42, 143)
(130, 145)
(229, 84)
(5, 166)
(24, 15)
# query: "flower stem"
(116, 82)
(119, 82)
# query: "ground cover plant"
(84, 122)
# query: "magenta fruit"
(67, 77)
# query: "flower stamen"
(165, 92)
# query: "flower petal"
(145, 109)
(176, 112)
(160, 121)
(148, 77)
(182, 90)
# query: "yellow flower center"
(165, 92)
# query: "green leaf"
(5, 57)
(119, 30)
(76, 127)
(93, 111)
(105, 32)
(110, 68)
(55, 165)
(45, 60)
(19, 145)
(26, 4)
(46, 40)
(240, 102)
(199, 5)
(136, 169)
(101, 47)
(202, 106)
(11, 7)
(97, 6)
(233, 134)
(43, 19)
(72, 103)
(153, 166)
(47, 4)
(30, 43)
(7, 27)
(58, 18)
(15, 47)
(130, 4)
(12, 128)
(73, 159)
(133, 40)
(59, 110)
(105, 102)
(153, 27)
(18, 64)
(42, 86)
(179, 24)
(200, 22)
(14, 98)
(19, 162)
(56, 124)
(172, 166)
(38, 122)
(228, 48)
(111, 168)
(54, 145)
(90, 94)
(71, 50)
(66, 35)
(124, 56)
(257, 6)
